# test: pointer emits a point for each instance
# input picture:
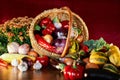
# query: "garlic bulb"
(13, 47)
(24, 49)
(23, 66)
(14, 62)
(37, 65)
(57, 25)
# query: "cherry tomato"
(44, 60)
(65, 24)
(45, 21)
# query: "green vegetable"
(56, 20)
(3, 43)
(37, 27)
(111, 68)
(21, 39)
(74, 47)
(13, 34)
(97, 44)
(78, 30)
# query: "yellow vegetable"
(114, 55)
(98, 57)
(74, 47)
(9, 57)
(111, 67)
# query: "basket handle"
(69, 30)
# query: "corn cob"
(9, 57)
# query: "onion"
(48, 38)
(13, 47)
(59, 44)
(24, 49)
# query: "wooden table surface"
(12, 73)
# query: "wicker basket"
(63, 13)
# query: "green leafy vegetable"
(97, 44)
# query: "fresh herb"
(3, 43)
(19, 35)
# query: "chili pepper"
(3, 63)
(44, 60)
(74, 72)
(44, 44)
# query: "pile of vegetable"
(96, 55)
(84, 60)
(51, 34)
(14, 30)
(81, 56)
(23, 57)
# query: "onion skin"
(48, 38)
(13, 47)
(24, 49)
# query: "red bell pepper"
(45, 21)
(49, 29)
(65, 24)
(44, 60)
(3, 63)
(44, 44)
(74, 72)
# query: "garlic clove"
(37, 65)
(15, 62)
(23, 66)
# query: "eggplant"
(100, 74)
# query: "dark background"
(101, 16)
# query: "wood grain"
(12, 73)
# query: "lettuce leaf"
(96, 44)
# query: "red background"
(101, 16)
